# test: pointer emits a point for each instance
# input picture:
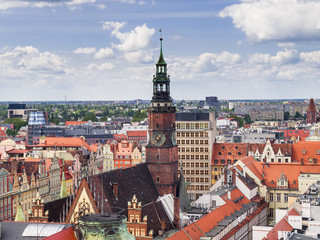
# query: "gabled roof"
(131, 181)
(83, 187)
(271, 172)
(208, 222)
(282, 225)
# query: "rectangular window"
(271, 197)
(278, 197)
(286, 197)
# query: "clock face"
(174, 138)
(158, 138)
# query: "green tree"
(247, 119)
(298, 115)
(286, 115)
(17, 123)
(11, 132)
(91, 117)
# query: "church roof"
(312, 106)
(131, 181)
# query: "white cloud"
(209, 62)
(135, 44)
(87, 50)
(104, 53)
(282, 57)
(101, 67)
(79, 2)
(101, 6)
(311, 57)
(29, 58)
(137, 39)
(264, 20)
(139, 56)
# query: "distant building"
(312, 115)
(19, 110)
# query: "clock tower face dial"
(158, 138)
(174, 138)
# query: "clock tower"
(162, 150)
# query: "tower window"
(157, 125)
(157, 156)
(158, 179)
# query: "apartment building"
(196, 134)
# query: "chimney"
(176, 214)
(229, 195)
(115, 190)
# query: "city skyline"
(107, 50)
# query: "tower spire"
(161, 81)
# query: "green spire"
(63, 189)
(19, 215)
(161, 59)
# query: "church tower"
(162, 150)
(312, 112)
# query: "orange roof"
(306, 150)
(253, 166)
(206, 223)
(64, 142)
(47, 160)
(272, 171)
(94, 147)
(75, 122)
(282, 225)
(64, 234)
(137, 133)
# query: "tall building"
(36, 121)
(162, 150)
(312, 112)
(196, 134)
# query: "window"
(271, 212)
(271, 197)
(278, 197)
(286, 197)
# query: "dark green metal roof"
(161, 59)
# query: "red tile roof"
(306, 150)
(236, 151)
(75, 122)
(272, 171)
(64, 142)
(137, 133)
(64, 234)
(282, 225)
(206, 223)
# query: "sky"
(107, 49)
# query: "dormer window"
(304, 151)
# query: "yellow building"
(136, 156)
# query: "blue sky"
(107, 49)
